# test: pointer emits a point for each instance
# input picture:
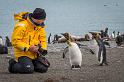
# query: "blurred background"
(75, 16)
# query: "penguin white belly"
(75, 54)
(101, 57)
(96, 48)
(97, 51)
(1, 41)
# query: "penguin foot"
(106, 63)
(75, 67)
(72, 66)
(100, 64)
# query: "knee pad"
(27, 69)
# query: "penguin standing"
(7, 42)
(49, 39)
(100, 49)
(3, 48)
(75, 55)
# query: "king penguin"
(75, 54)
(99, 48)
(1, 40)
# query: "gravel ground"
(60, 71)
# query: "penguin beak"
(62, 33)
(93, 33)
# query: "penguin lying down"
(75, 54)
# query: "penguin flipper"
(63, 55)
(87, 48)
(92, 52)
(106, 43)
(65, 51)
(80, 45)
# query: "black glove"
(42, 51)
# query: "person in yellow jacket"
(28, 40)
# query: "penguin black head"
(95, 35)
(68, 37)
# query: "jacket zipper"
(29, 39)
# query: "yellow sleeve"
(42, 38)
(17, 36)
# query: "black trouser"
(26, 65)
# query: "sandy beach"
(60, 70)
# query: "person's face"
(38, 21)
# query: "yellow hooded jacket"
(24, 35)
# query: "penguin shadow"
(93, 66)
(98, 65)
(67, 65)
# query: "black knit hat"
(39, 14)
